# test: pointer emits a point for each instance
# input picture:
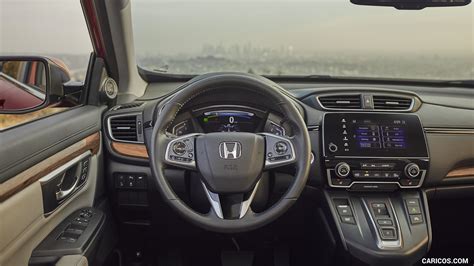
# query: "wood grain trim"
(130, 149)
(467, 171)
(34, 173)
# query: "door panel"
(39, 149)
(28, 144)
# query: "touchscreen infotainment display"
(373, 135)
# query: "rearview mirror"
(412, 4)
(30, 83)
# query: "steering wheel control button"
(281, 147)
(380, 209)
(179, 148)
(279, 151)
(332, 147)
(342, 170)
(412, 170)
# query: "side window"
(30, 52)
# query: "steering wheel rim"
(161, 139)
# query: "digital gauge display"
(229, 121)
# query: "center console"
(374, 163)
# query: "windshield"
(332, 37)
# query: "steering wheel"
(230, 163)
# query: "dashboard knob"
(412, 170)
(332, 147)
(342, 170)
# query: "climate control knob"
(342, 170)
(412, 170)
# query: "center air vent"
(341, 101)
(126, 128)
(384, 102)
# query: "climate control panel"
(376, 173)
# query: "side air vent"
(384, 102)
(341, 101)
(128, 105)
(127, 128)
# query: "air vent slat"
(383, 102)
(124, 127)
(341, 101)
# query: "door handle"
(61, 194)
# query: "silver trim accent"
(115, 89)
(339, 94)
(337, 169)
(214, 200)
(278, 163)
(328, 173)
(313, 128)
(245, 205)
(386, 244)
(434, 130)
(410, 108)
(62, 194)
(64, 167)
(109, 127)
(407, 168)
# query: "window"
(54, 28)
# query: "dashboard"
(379, 153)
(418, 122)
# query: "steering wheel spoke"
(230, 206)
(279, 151)
(180, 152)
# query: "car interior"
(173, 166)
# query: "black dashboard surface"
(446, 114)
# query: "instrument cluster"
(228, 119)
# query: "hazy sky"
(43, 26)
(57, 26)
(307, 26)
